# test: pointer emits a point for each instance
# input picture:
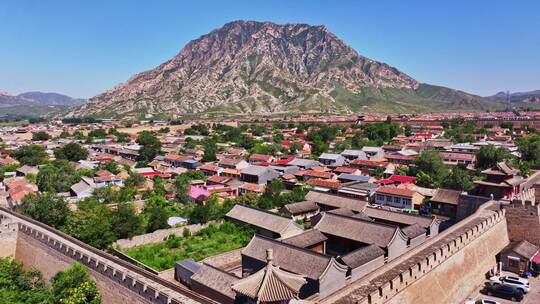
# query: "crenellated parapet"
(102, 265)
(395, 277)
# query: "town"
(313, 210)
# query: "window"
(513, 262)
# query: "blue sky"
(82, 48)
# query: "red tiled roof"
(369, 163)
(345, 170)
(332, 184)
(402, 179)
(318, 174)
(395, 191)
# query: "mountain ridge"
(35, 103)
(261, 68)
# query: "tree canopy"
(151, 146)
(72, 152)
(31, 155)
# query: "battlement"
(143, 285)
(399, 276)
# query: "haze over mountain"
(35, 103)
(249, 67)
(524, 97)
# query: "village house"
(304, 163)
(363, 191)
(454, 158)
(323, 273)
(354, 154)
(404, 220)
(257, 174)
(83, 189)
(398, 198)
(261, 158)
(301, 210)
(373, 153)
(311, 239)
(104, 178)
(210, 169)
(455, 204)
(369, 166)
(25, 170)
(399, 159)
(329, 201)
(246, 188)
(346, 234)
(233, 163)
(362, 261)
(266, 223)
(331, 160)
(519, 257)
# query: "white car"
(481, 301)
(518, 283)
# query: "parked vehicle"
(504, 291)
(486, 302)
(481, 301)
(519, 283)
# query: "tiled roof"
(395, 191)
(362, 255)
(356, 229)
(288, 257)
(306, 239)
(336, 201)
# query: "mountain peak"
(256, 67)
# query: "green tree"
(458, 179)
(151, 146)
(430, 163)
(47, 208)
(40, 136)
(20, 287)
(529, 147)
(156, 213)
(57, 176)
(274, 188)
(159, 186)
(488, 156)
(135, 180)
(210, 150)
(31, 155)
(74, 286)
(126, 222)
(72, 152)
(91, 223)
(110, 166)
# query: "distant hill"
(522, 97)
(35, 103)
(261, 68)
(52, 99)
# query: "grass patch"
(207, 242)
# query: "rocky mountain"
(35, 103)
(523, 97)
(249, 67)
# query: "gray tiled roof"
(335, 201)
(288, 257)
(261, 218)
(305, 239)
(356, 229)
(362, 255)
(215, 279)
